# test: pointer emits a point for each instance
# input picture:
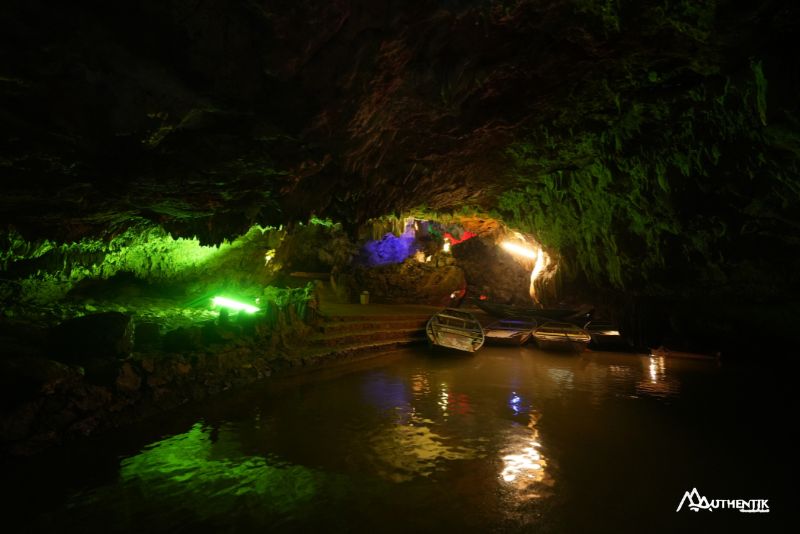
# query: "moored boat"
(509, 332)
(561, 336)
(664, 352)
(455, 329)
(507, 311)
(605, 334)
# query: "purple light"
(515, 402)
(385, 392)
(390, 249)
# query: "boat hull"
(663, 352)
(561, 337)
(455, 329)
(518, 339)
(509, 332)
(605, 335)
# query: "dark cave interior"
(158, 153)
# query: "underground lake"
(508, 440)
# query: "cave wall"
(652, 144)
(696, 189)
(38, 272)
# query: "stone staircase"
(352, 336)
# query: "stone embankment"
(105, 370)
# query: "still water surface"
(507, 440)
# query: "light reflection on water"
(499, 438)
(524, 463)
(407, 451)
(657, 382)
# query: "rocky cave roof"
(651, 127)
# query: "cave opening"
(173, 282)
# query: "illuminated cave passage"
(500, 216)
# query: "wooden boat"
(561, 336)
(605, 334)
(664, 352)
(455, 329)
(506, 311)
(509, 332)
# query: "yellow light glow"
(608, 332)
(537, 270)
(446, 246)
(519, 250)
(524, 464)
(657, 368)
(539, 265)
(268, 257)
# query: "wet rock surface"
(92, 338)
(410, 282)
(48, 400)
(147, 335)
(492, 272)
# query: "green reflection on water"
(209, 476)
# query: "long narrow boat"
(664, 352)
(605, 334)
(509, 332)
(455, 329)
(561, 336)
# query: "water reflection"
(631, 376)
(408, 451)
(656, 381)
(420, 441)
(203, 474)
(385, 392)
(419, 385)
(461, 439)
(524, 464)
(444, 398)
(564, 378)
(657, 368)
(515, 401)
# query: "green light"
(211, 478)
(322, 222)
(234, 305)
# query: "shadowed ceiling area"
(639, 139)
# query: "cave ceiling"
(209, 116)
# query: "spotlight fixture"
(234, 305)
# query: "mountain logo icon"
(696, 501)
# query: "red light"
(464, 237)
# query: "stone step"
(321, 355)
(346, 339)
(343, 327)
(383, 318)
